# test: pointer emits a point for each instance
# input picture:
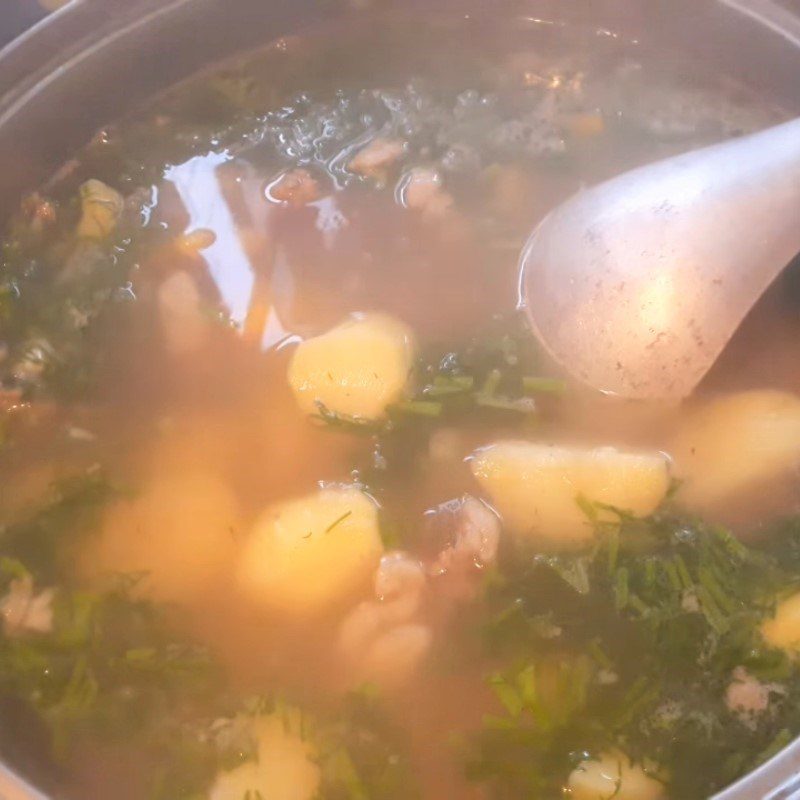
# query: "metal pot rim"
(59, 41)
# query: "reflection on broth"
(291, 505)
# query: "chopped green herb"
(664, 609)
(421, 408)
(534, 385)
(338, 521)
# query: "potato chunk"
(101, 208)
(535, 486)
(179, 531)
(736, 446)
(783, 629)
(613, 775)
(356, 369)
(307, 555)
(284, 768)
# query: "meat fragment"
(296, 188)
(422, 190)
(470, 533)
(23, 611)
(375, 159)
(748, 697)
(385, 639)
(381, 639)
(38, 212)
(192, 242)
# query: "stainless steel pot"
(92, 61)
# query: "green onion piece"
(449, 384)
(613, 547)
(640, 696)
(589, 509)
(573, 571)
(635, 602)
(493, 722)
(533, 384)
(621, 588)
(422, 408)
(506, 694)
(783, 737)
(523, 405)
(721, 598)
(711, 611)
(650, 573)
(671, 571)
(526, 683)
(491, 383)
(683, 572)
(599, 655)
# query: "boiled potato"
(309, 554)
(734, 445)
(783, 629)
(612, 775)
(284, 768)
(179, 530)
(101, 208)
(535, 486)
(356, 369)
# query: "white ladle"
(635, 286)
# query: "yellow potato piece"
(736, 443)
(179, 530)
(535, 486)
(356, 369)
(283, 770)
(101, 208)
(783, 629)
(309, 554)
(613, 775)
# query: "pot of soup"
(292, 506)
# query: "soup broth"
(293, 507)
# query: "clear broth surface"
(512, 124)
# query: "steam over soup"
(292, 507)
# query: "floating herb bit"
(351, 424)
(522, 405)
(449, 384)
(534, 385)
(422, 408)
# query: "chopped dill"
(420, 408)
(338, 521)
(650, 624)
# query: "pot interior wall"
(60, 86)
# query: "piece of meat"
(469, 533)
(375, 159)
(296, 188)
(380, 639)
(38, 212)
(749, 697)
(423, 190)
(385, 639)
(25, 612)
